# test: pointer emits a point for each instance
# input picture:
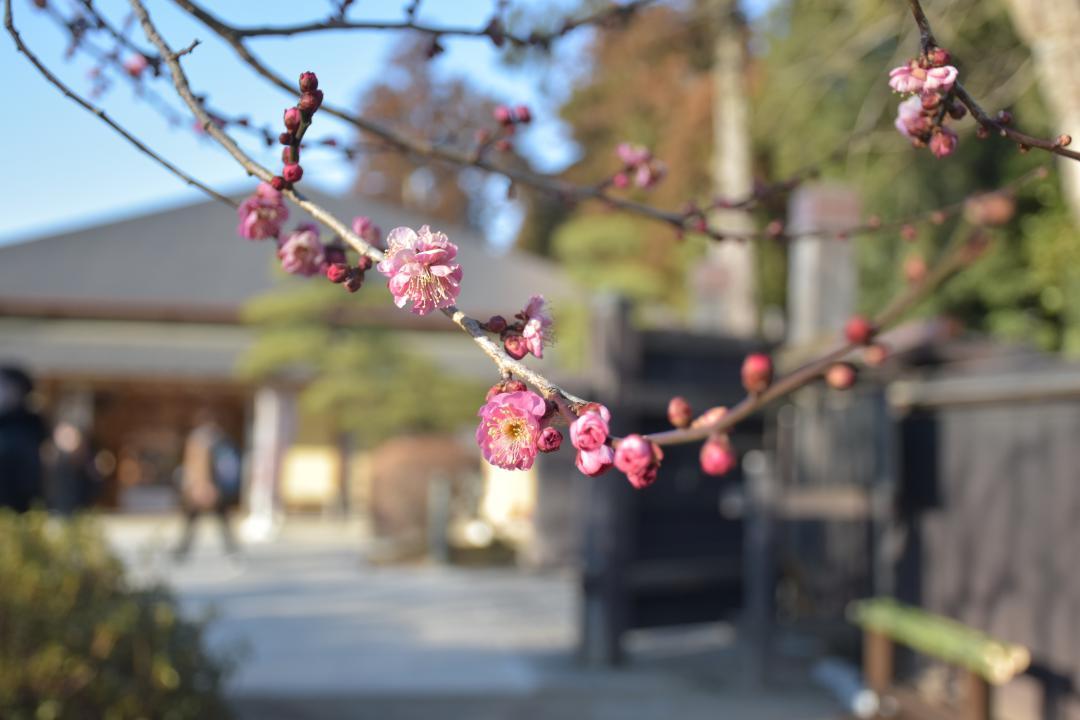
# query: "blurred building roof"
(160, 294)
(187, 263)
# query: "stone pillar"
(822, 281)
(272, 427)
(724, 284)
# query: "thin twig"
(929, 42)
(9, 24)
(469, 325)
(953, 259)
(543, 39)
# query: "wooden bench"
(985, 661)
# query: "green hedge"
(77, 642)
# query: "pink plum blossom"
(590, 431)
(510, 428)
(940, 79)
(595, 462)
(262, 214)
(537, 331)
(301, 253)
(907, 79)
(421, 268)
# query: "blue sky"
(72, 170)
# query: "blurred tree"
(818, 81)
(357, 378)
(445, 111)
(841, 52)
(664, 54)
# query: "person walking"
(22, 431)
(209, 481)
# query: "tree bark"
(1051, 28)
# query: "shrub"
(77, 642)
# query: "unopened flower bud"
(309, 82)
(757, 373)
(620, 180)
(679, 412)
(858, 330)
(938, 217)
(915, 269)
(334, 252)
(840, 376)
(290, 155)
(285, 138)
(550, 440)
(717, 457)
(337, 272)
(938, 57)
(957, 111)
(292, 173)
(496, 324)
(277, 182)
(503, 115)
(292, 118)
(1005, 117)
(876, 354)
(515, 345)
(1064, 140)
(522, 114)
(364, 263)
(354, 281)
(909, 232)
(310, 102)
(982, 132)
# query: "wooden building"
(131, 326)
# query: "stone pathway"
(326, 635)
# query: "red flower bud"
(290, 155)
(285, 138)
(309, 82)
(550, 440)
(522, 114)
(277, 182)
(310, 102)
(337, 272)
(909, 232)
(679, 413)
(503, 115)
(757, 373)
(858, 330)
(292, 118)
(515, 345)
(915, 269)
(840, 376)
(364, 263)
(717, 457)
(496, 324)
(292, 173)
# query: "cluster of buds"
(297, 120)
(717, 456)
(640, 168)
(929, 80)
(508, 119)
(529, 332)
(337, 267)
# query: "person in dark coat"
(22, 432)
